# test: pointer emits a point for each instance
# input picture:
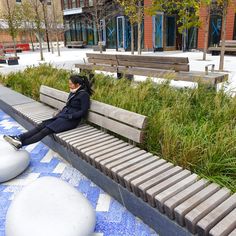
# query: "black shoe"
(13, 140)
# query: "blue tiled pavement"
(112, 219)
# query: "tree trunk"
(222, 51)
(139, 27)
(206, 32)
(132, 39)
(100, 40)
(51, 46)
(58, 48)
(40, 47)
(31, 40)
(14, 46)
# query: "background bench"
(230, 46)
(176, 68)
(167, 197)
(76, 44)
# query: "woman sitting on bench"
(69, 117)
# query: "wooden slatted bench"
(201, 207)
(76, 44)
(230, 46)
(176, 68)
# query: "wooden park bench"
(170, 199)
(76, 44)
(230, 47)
(176, 68)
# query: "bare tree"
(28, 20)
(37, 14)
(55, 21)
(11, 13)
(100, 13)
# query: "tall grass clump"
(28, 82)
(193, 128)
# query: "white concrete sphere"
(12, 162)
(50, 207)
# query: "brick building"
(24, 35)
(159, 32)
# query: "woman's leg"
(37, 136)
(31, 132)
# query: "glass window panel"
(90, 3)
(111, 33)
(65, 4)
(73, 3)
(170, 31)
(81, 3)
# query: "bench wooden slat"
(119, 164)
(175, 67)
(182, 196)
(96, 160)
(216, 215)
(225, 226)
(52, 102)
(89, 152)
(129, 163)
(233, 233)
(162, 186)
(150, 175)
(111, 159)
(64, 134)
(136, 174)
(159, 175)
(127, 117)
(82, 135)
(172, 191)
(93, 67)
(204, 208)
(156, 59)
(77, 131)
(98, 146)
(103, 56)
(91, 157)
(103, 61)
(54, 93)
(85, 142)
(79, 144)
(121, 174)
(149, 73)
(185, 207)
(114, 126)
(125, 159)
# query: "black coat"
(70, 116)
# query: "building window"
(74, 4)
(234, 37)
(81, 3)
(170, 31)
(90, 3)
(65, 4)
(18, 1)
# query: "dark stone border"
(151, 216)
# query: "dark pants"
(34, 135)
